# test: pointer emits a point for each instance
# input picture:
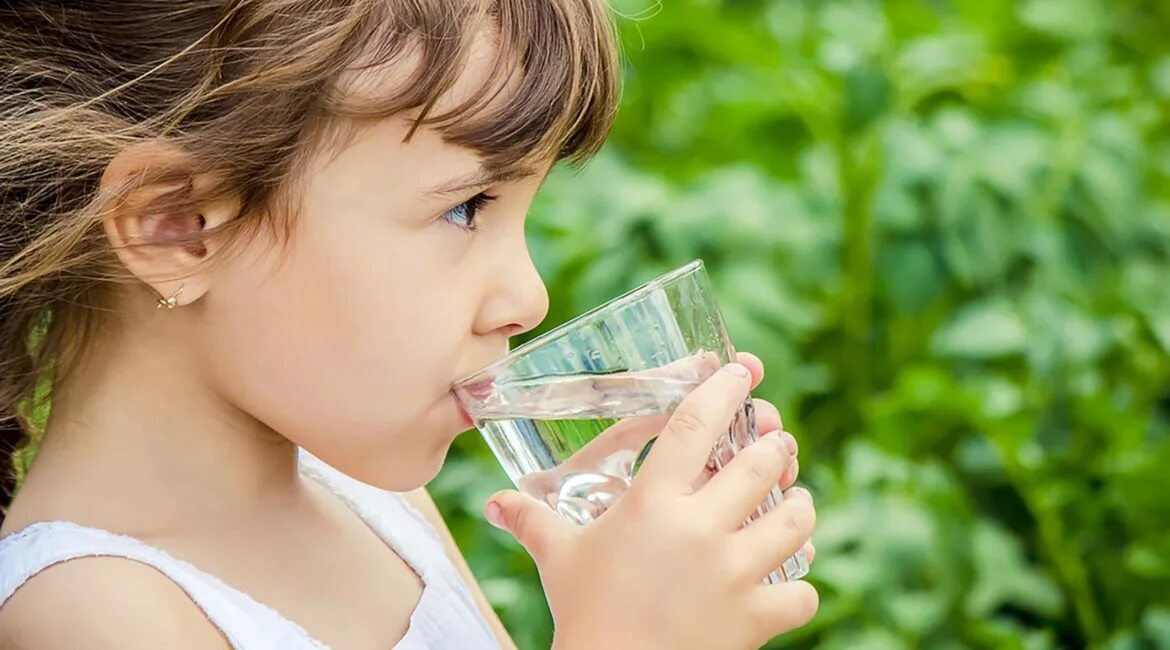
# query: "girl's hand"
(668, 566)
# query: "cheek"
(345, 345)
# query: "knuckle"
(516, 518)
(765, 463)
(744, 562)
(792, 522)
(519, 522)
(637, 503)
(798, 518)
(687, 426)
(762, 619)
(699, 530)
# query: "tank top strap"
(447, 615)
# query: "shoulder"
(109, 602)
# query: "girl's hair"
(246, 90)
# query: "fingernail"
(494, 514)
(738, 370)
(789, 442)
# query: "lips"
(464, 416)
(473, 394)
(478, 391)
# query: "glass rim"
(563, 329)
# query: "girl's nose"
(517, 300)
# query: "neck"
(136, 422)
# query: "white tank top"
(446, 615)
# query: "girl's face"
(405, 271)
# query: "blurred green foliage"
(945, 227)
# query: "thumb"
(531, 522)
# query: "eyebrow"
(479, 178)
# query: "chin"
(402, 479)
(424, 465)
(407, 467)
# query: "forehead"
(476, 73)
(515, 81)
(479, 82)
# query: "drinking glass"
(572, 414)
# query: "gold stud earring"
(171, 301)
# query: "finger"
(685, 444)
(754, 366)
(767, 416)
(790, 474)
(776, 536)
(810, 551)
(740, 487)
(531, 522)
(628, 436)
(784, 607)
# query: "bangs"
(547, 88)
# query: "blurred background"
(945, 227)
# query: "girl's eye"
(463, 215)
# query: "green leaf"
(1146, 560)
(867, 97)
(984, 330)
(854, 31)
(916, 612)
(1013, 158)
(1160, 77)
(1003, 578)
(913, 154)
(769, 296)
(1156, 624)
(1064, 19)
(911, 276)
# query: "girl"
(245, 248)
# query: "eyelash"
(467, 211)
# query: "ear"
(156, 222)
